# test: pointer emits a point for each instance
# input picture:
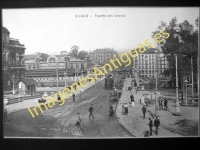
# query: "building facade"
(13, 60)
(146, 64)
(102, 56)
(42, 66)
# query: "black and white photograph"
(100, 72)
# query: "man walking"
(132, 99)
(91, 109)
(73, 97)
(150, 125)
(80, 120)
(156, 124)
(165, 104)
(160, 100)
(144, 110)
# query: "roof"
(28, 81)
(5, 30)
(74, 59)
(32, 56)
(13, 41)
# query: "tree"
(74, 51)
(183, 40)
(82, 55)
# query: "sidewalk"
(33, 102)
(134, 121)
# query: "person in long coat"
(132, 100)
(126, 108)
(150, 125)
(156, 124)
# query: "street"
(59, 121)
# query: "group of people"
(91, 109)
(124, 109)
(156, 124)
(162, 102)
(79, 122)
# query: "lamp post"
(52, 59)
(13, 85)
(156, 90)
(192, 81)
(177, 105)
(186, 91)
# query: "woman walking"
(126, 108)
(132, 100)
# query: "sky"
(51, 30)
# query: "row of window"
(149, 71)
(102, 54)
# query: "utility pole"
(192, 81)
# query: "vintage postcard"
(100, 72)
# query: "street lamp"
(54, 59)
(192, 81)
(156, 90)
(13, 85)
(177, 105)
(186, 91)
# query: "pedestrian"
(132, 100)
(142, 100)
(73, 95)
(80, 120)
(6, 116)
(129, 87)
(126, 108)
(165, 104)
(160, 100)
(144, 110)
(91, 109)
(142, 88)
(156, 124)
(123, 109)
(150, 125)
(111, 111)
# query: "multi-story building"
(102, 56)
(43, 65)
(145, 64)
(13, 60)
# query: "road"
(59, 121)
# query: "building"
(13, 60)
(102, 56)
(43, 65)
(32, 61)
(145, 64)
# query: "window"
(33, 66)
(29, 66)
